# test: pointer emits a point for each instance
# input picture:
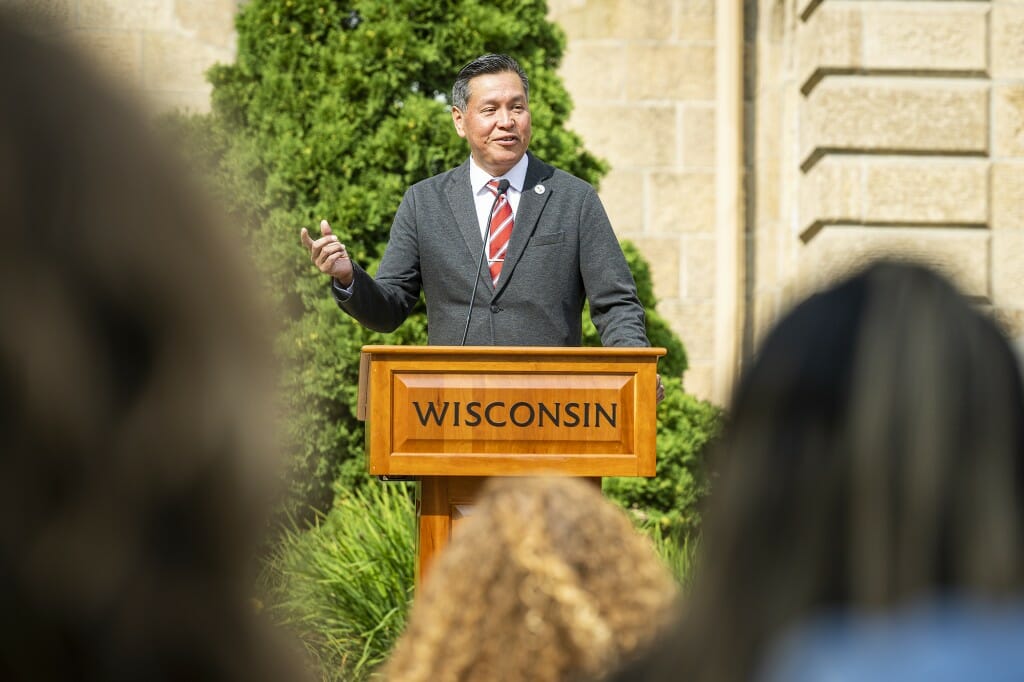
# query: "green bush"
(671, 500)
(344, 584)
(331, 110)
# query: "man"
(561, 249)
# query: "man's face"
(496, 122)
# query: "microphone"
(502, 188)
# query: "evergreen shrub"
(331, 110)
(671, 501)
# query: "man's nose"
(506, 119)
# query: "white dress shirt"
(478, 179)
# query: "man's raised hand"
(329, 255)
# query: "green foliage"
(671, 500)
(344, 585)
(679, 554)
(332, 110)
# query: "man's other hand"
(329, 255)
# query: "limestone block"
(893, 115)
(947, 191)
(618, 19)
(699, 380)
(765, 192)
(841, 189)
(905, 36)
(762, 249)
(140, 15)
(771, 67)
(1008, 120)
(807, 8)
(1007, 271)
(176, 62)
(698, 271)
(1011, 321)
(694, 322)
(768, 134)
(698, 137)
(663, 256)
(1007, 41)
(671, 72)
(628, 136)
(595, 72)
(210, 21)
(960, 253)
(941, 36)
(118, 53)
(1008, 195)
(830, 40)
(193, 101)
(696, 20)
(681, 202)
(832, 192)
(45, 16)
(622, 193)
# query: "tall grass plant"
(344, 584)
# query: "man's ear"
(458, 121)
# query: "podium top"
(546, 351)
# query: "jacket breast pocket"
(545, 239)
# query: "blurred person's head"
(546, 580)
(874, 456)
(134, 382)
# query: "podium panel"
(496, 411)
(453, 416)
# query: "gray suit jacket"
(562, 250)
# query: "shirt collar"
(516, 175)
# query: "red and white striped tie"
(500, 229)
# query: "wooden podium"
(453, 416)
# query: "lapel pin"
(540, 189)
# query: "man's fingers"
(330, 253)
(326, 251)
(332, 247)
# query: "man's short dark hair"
(486, 64)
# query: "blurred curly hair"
(545, 581)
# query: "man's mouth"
(507, 140)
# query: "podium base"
(442, 503)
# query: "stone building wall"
(641, 74)
(159, 49)
(889, 128)
(873, 127)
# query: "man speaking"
(505, 248)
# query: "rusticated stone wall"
(907, 121)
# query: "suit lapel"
(460, 201)
(531, 204)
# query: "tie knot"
(493, 186)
